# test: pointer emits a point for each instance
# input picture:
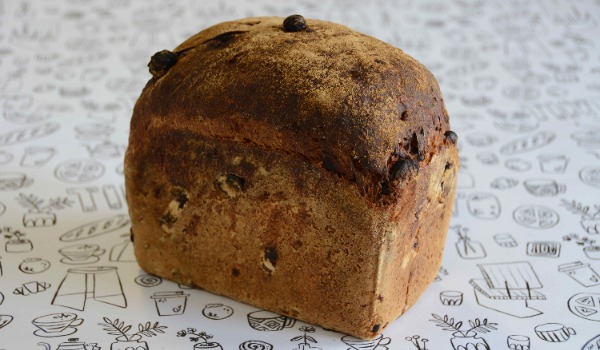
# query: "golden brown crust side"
(332, 96)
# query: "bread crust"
(308, 173)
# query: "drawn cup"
(553, 164)
(518, 342)
(451, 297)
(505, 240)
(554, 332)
(208, 345)
(543, 187)
(81, 253)
(360, 344)
(269, 321)
(56, 323)
(13, 181)
(37, 156)
(581, 273)
(170, 303)
(592, 252)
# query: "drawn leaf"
(309, 338)
(140, 327)
(445, 318)
(472, 324)
(451, 321)
(296, 338)
(458, 325)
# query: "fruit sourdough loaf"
(298, 166)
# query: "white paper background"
(521, 79)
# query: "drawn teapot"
(72, 344)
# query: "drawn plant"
(415, 341)
(477, 325)
(38, 205)
(121, 330)
(580, 241)
(305, 338)
(195, 337)
(16, 243)
(13, 235)
(580, 209)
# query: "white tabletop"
(521, 269)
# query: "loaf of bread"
(295, 165)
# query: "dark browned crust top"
(327, 94)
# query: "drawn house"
(508, 288)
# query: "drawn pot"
(592, 252)
(18, 246)
(129, 345)
(209, 345)
(39, 219)
(591, 226)
(468, 342)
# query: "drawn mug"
(360, 344)
(554, 332)
(56, 323)
(269, 321)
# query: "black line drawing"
(15, 241)
(553, 163)
(56, 325)
(590, 248)
(563, 74)
(589, 222)
(37, 157)
(505, 240)
(93, 131)
(127, 340)
(544, 249)
(111, 195)
(267, 321)
(27, 134)
(414, 340)
(451, 297)
(41, 214)
(202, 339)
(517, 164)
(2, 208)
(146, 280)
(78, 171)
(466, 180)
(590, 175)
(306, 339)
(521, 93)
(123, 251)
(588, 138)
(105, 150)
(527, 143)
(481, 139)
(5, 320)
(592, 344)
(14, 181)
(33, 287)
(566, 110)
(101, 283)
(468, 338)
(170, 303)
(81, 254)
(535, 216)
(217, 311)
(96, 228)
(585, 305)
(554, 332)
(85, 196)
(483, 205)
(255, 345)
(377, 343)
(442, 273)
(518, 342)
(1, 298)
(34, 265)
(5, 157)
(487, 158)
(582, 273)
(505, 285)
(544, 187)
(466, 248)
(72, 343)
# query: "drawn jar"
(468, 341)
(592, 252)
(129, 343)
(18, 245)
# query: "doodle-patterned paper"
(521, 269)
